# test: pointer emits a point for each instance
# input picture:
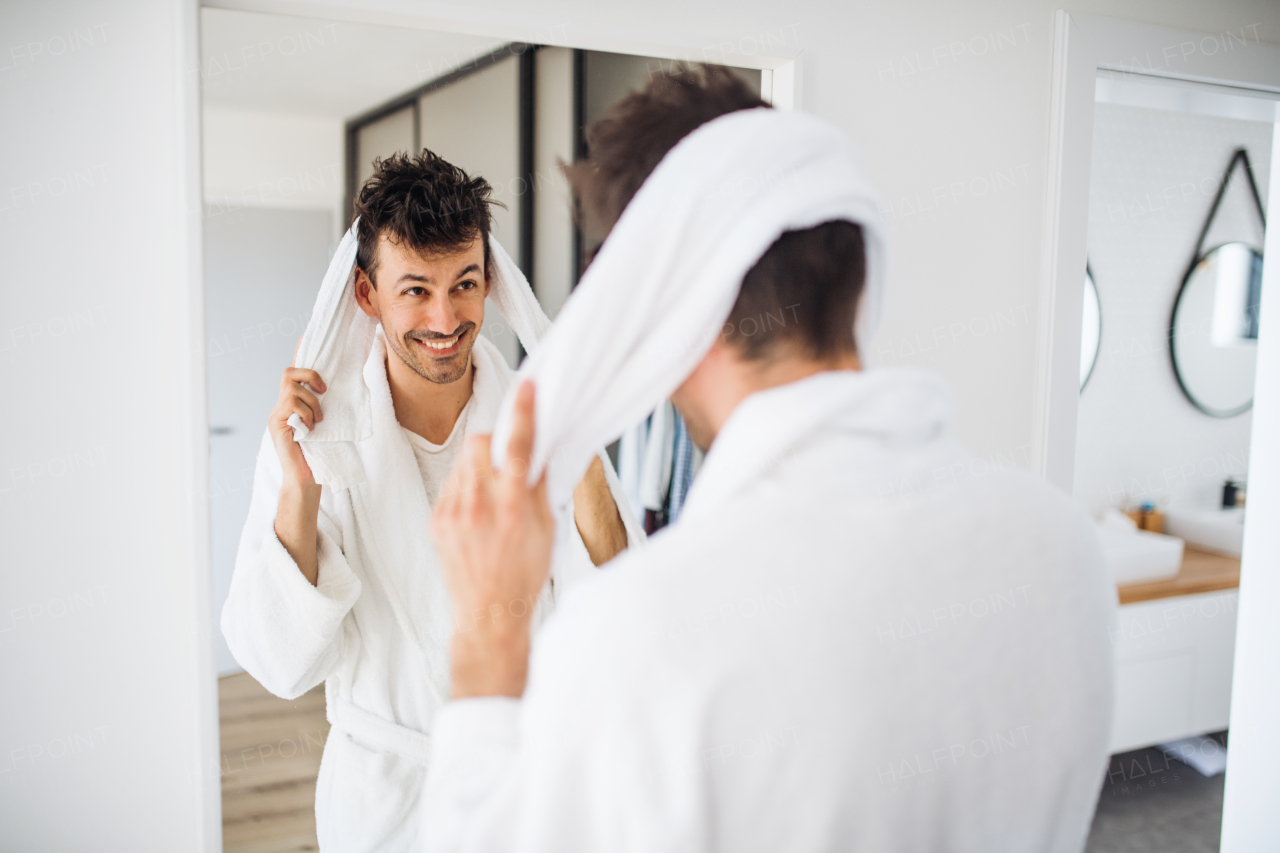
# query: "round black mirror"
(1213, 335)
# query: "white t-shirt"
(435, 461)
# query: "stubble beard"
(439, 371)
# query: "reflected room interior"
(295, 111)
(1168, 351)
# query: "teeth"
(441, 344)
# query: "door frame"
(1084, 45)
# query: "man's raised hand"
(494, 533)
(295, 398)
(299, 506)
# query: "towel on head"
(658, 292)
(337, 343)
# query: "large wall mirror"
(294, 112)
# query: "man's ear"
(364, 285)
(488, 282)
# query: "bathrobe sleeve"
(285, 632)
(585, 761)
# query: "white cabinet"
(1173, 668)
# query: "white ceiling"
(307, 66)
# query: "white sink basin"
(1220, 530)
(1138, 556)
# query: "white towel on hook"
(337, 343)
(653, 300)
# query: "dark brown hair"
(425, 203)
(803, 291)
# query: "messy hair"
(802, 292)
(424, 203)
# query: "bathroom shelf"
(1201, 571)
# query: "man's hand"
(494, 533)
(295, 398)
(299, 505)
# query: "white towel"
(631, 456)
(655, 475)
(337, 343)
(653, 300)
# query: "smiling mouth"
(441, 347)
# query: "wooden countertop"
(1202, 571)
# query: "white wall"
(108, 704)
(263, 267)
(260, 159)
(1155, 174)
(273, 193)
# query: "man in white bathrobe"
(342, 586)
(857, 637)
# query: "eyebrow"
(409, 276)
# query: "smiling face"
(431, 307)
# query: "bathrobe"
(857, 636)
(376, 628)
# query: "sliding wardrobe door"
(382, 138)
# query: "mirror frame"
(1239, 157)
(1173, 356)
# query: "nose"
(441, 316)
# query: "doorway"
(1155, 404)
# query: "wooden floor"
(270, 757)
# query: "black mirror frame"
(1241, 156)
